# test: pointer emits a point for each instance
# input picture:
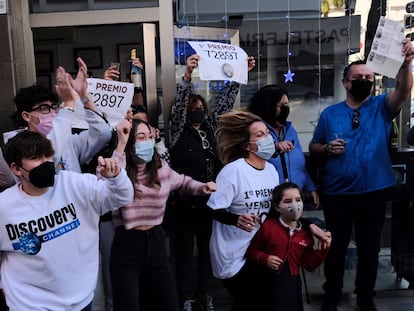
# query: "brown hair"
(233, 134)
(192, 101)
(26, 145)
(132, 162)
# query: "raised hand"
(111, 73)
(123, 128)
(64, 88)
(251, 63)
(80, 84)
(192, 63)
(108, 167)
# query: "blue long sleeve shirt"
(295, 160)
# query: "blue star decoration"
(289, 76)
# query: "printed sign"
(3, 7)
(111, 97)
(221, 61)
(385, 56)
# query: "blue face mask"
(265, 147)
(144, 150)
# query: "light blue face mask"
(144, 150)
(265, 147)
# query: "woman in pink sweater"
(140, 270)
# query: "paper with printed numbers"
(385, 57)
(221, 61)
(114, 98)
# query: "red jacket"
(274, 239)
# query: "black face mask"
(196, 116)
(360, 89)
(42, 176)
(284, 113)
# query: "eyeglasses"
(204, 140)
(355, 119)
(45, 108)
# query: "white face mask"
(291, 211)
(265, 147)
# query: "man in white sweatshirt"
(49, 234)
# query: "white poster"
(111, 97)
(3, 7)
(385, 56)
(221, 61)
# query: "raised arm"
(178, 115)
(404, 79)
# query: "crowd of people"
(231, 182)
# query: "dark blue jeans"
(140, 271)
(366, 212)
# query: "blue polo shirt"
(365, 166)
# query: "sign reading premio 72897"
(111, 97)
(221, 61)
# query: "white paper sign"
(221, 61)
(385, 56)
(111, 97)
(3, 7)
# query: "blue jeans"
(140, 271)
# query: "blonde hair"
(233, 134)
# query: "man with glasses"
(39, 108)
(51, 114)
(358, 174)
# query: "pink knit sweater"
(149, 209)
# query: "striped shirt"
(149, 208)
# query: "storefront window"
(316, 49)
(42, 6)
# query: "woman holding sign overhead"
(193, 153)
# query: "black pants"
(242, 288)
(184, 246)
(367, 213)
(140, 271)
(3, 305)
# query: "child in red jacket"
(279, 249)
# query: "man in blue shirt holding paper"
(358, 174)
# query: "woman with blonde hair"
(242, 201)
